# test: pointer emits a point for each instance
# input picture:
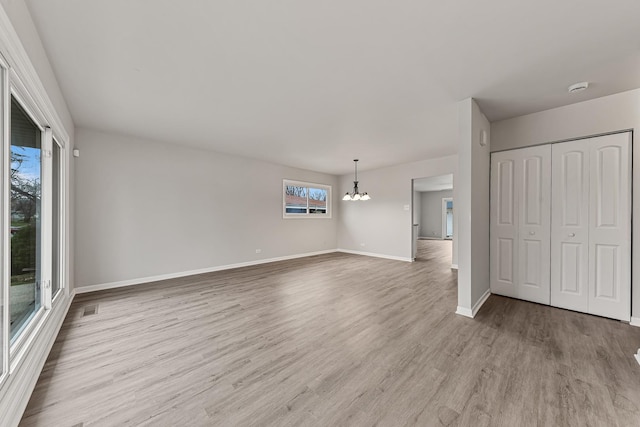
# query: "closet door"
(570, 226)
(520, 223)
(504, 228)
(610, 226)
(533, 183)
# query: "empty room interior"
(328, 213)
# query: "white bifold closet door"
(591, 226)
(520, 223)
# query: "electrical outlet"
(258, 251)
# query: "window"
(306, 200)
(33, 219)
(26, 214)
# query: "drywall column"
(472, 208)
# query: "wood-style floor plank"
(333, 340)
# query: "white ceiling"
(433, 183)
(315, 84)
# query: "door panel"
(570, 225)
(607, 265)
(505, 261)
(573, 189)
(533, 179)
(505, 196)
(573, 278)
(503, 246)
(520, 223)
(531, 274)
(610, 226)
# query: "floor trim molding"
(471, 313)
(463, 311)
(141, 280)
(371, 254)
(635, 321)
(637, 356)
(454, 266)
(481, 302)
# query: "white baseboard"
(481, 302)
(463, 311)
(16, 392)
(454, 266)
(371, 254)
(141, 280)
(637, 355)
(635, 321)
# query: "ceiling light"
(355, 195)
(578, 87)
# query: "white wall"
(146, 209)
(431, 212)
(381, 225)
(607, 114)
(471, 207)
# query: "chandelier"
(356, 195)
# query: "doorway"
(447, 218)
(432, 219)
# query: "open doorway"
(433, 217)
(447, 218)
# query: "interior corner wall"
(383, 225)
(147, 209)
(431, 212)
(597, 116)
(472, 207)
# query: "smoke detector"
(578, 87)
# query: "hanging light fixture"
(356, 195)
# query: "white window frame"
(27, 333)
(5, 218)
(21, 361)
(15, 352)
(62, 221)
(307, 215)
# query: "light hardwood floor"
(333, 340)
